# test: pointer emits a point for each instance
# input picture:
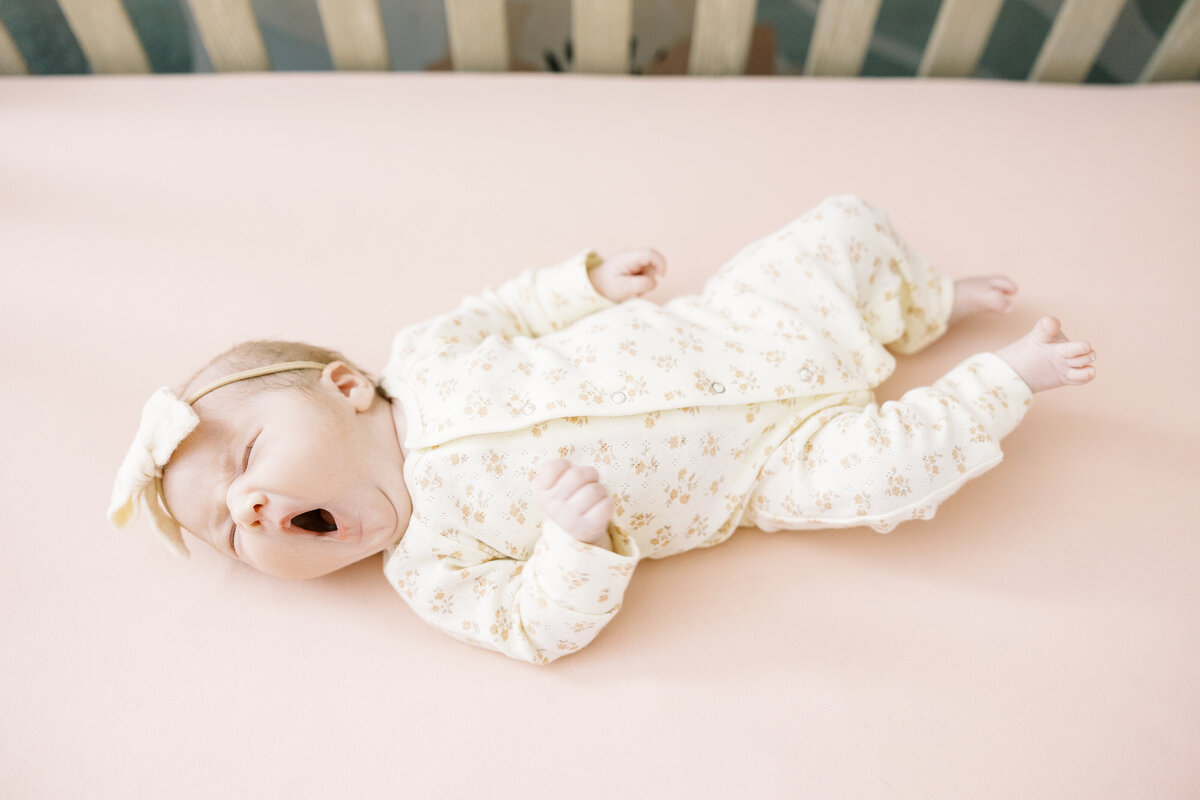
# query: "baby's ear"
(349, 383)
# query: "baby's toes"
(1003, 284)
(1081, 374)
(1081, 361)
(1073, 349)
(994, 299)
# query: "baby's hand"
(575, 499)
(628, 273)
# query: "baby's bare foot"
(1045, 358)
(985, 293)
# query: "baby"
(521, 454)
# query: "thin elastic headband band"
(255, 373)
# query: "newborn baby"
(521, 454)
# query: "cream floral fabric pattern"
(748, 404)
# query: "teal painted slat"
(44, 38)
(49, 47)
(163, 29)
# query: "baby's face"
(293, 486)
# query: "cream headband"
(167, 421)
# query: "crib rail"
(601, 30)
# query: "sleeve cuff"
(553, 297)
(582, 577)
(567, 291)
(994, 390)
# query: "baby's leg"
(879, 466)
(905, 302)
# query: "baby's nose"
(250, 510)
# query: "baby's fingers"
(641, 284)
(655, 260)
(585, 497)
(565, 481)
(549, 473)
(598, 515)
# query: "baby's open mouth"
(318, 521)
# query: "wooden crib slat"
(231, 35)
(106, 35)
(11, 60)
(354, 33)
(841, 37)
(600, 30)
(1080, 30)
(1177, 57)
(959, 36)
(478, 34)
(721, 33)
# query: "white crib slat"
(958, 39)
(1079, 32)
(231, 35)
(841, 37)
(106, 35)
(478, 35)
(1177, 57)
(721, 34)
(354, 33)
(11, 60)
(600, 30)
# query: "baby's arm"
(536, 610)
(538, 301)
(879, 466)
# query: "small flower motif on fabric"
(633, 385)
(493, 462)
(476, 405)
(898, 485)
(591, 393)
(585, 354)
(640, 520)
(621, 501)
(662, 537)
(519, 511)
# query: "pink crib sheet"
(1039, 638)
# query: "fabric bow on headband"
(167, 421)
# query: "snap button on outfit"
(528, 409)
(617, 397)
(717, 387)
(805, 374)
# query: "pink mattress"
(1039, 638)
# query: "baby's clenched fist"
(575, 499)
(628, 273)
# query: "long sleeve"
(538, 301)
(534, 610)
(879, 466)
